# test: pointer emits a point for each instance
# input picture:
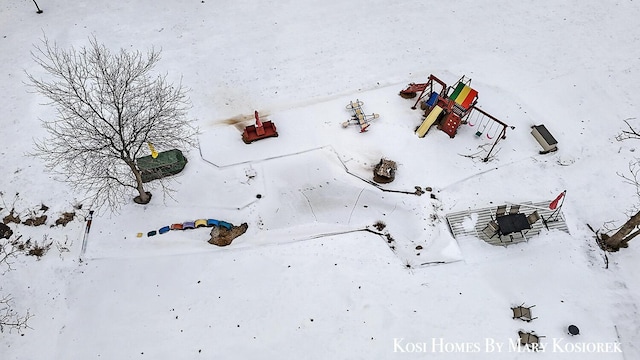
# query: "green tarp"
(167, 163)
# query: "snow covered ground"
(305, 281)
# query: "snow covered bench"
(544, 138)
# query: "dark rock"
(5, 231)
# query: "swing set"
(496, 129)
(450, 106)
(483, 121)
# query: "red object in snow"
(450, 124)
(258, 122)
(259, 131)
(554, 204)
(451, 120)
(412, 90)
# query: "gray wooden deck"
(459, 223)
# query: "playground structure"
(259, 131)
(445, 106)
(449, 106)
(359, 117)
(425, 89)
(497, 129)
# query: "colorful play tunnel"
(187, 225)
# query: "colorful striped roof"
(463, 95)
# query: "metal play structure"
(489, 126)
(446, 106)
(449, 106)
(425, 89)
(359, 117)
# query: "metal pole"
(503, 134)
(529, 206)
(86, 234)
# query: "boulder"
(222, 236)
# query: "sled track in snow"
(325, 147)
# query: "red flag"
(554, 204)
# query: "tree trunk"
(622, 237)
(143, 197)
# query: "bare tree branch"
(8, 252)
(9, 318)
(628, 134)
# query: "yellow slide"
(431, 118)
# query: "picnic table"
(511, 223)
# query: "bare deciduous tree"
(109, 107)
(631, 228)
(7, 253)
(620, 239)
(9, 318)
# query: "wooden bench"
(544, 138)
